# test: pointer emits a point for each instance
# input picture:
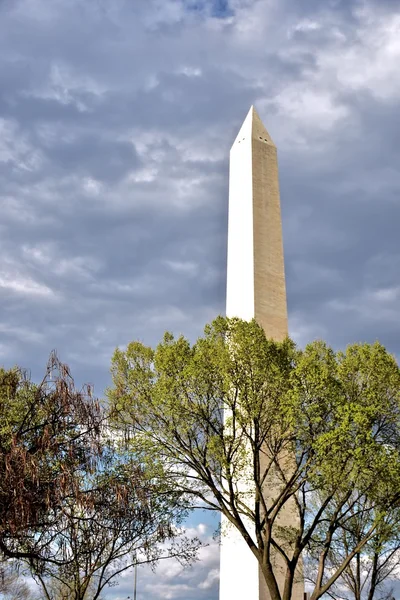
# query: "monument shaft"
(255, 289)
(255, 273)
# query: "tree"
(374, 568)
(324, 424)
(56, 590)
(12, 585)
(73, 506)
(121, 521)
(49, 437)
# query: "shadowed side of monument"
(270, 309)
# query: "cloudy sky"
(116, 119)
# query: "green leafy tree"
(314, 430)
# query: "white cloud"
(144, 175)
(92, 187)
(24, 285)
(341, 62)
(65, 88)
(163, 590)
(375, 305)
(170, 580)
(186, 267)
(310, 107)
(305, 25)
(15, 148)
(212, 577)
(370, 62)
(164, 13)
(48, 257)
(190, 71)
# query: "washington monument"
(255, 289)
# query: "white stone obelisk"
(255, 289)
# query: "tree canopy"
(314, 430)
(122, 520)
(49, 438)
(74, 507)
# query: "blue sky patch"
(216, 8)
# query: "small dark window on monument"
(265, 140)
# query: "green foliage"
(314, 429)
